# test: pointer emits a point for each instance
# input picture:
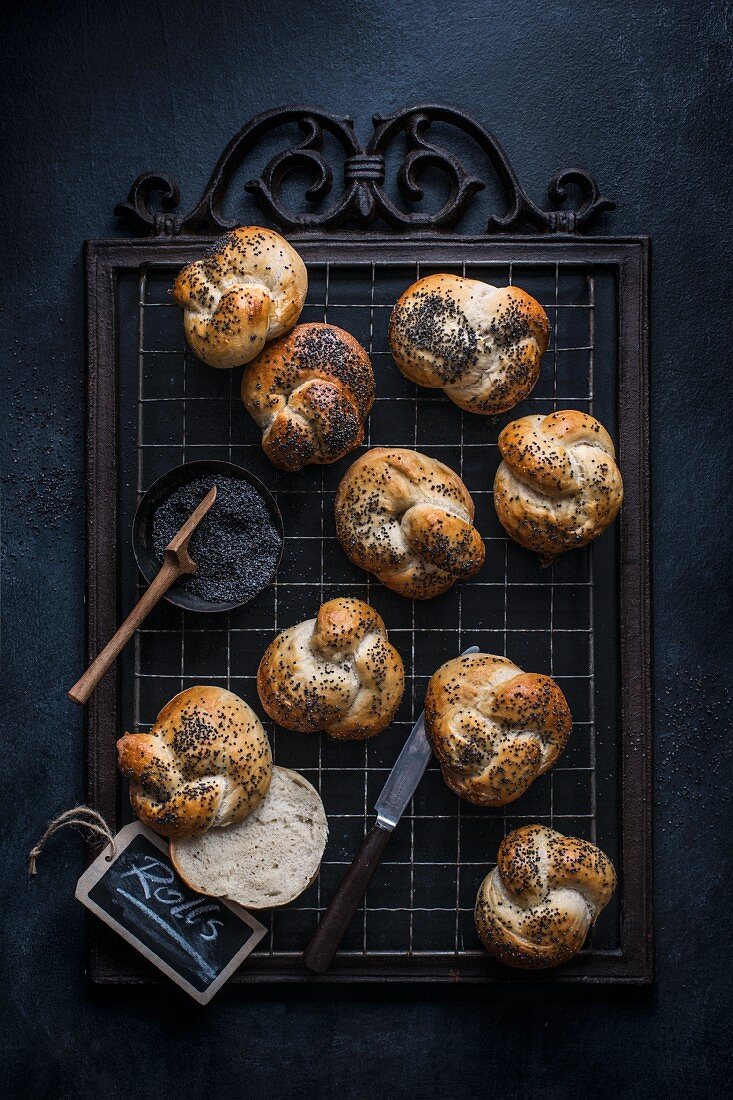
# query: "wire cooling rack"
(585, 620)
(420, 904)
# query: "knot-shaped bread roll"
(558, 486)
(205, 762)
(494, 728)
(337, 672)
(480, 344)
(310, 392)
(249, 289)
(408, 519)
(535, 908)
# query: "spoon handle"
(169, 572)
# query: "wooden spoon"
(176, 562)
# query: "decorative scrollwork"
(568, 221)
(137, 208)
(422, 153)
(207, 216)
(308, 154)
(363, 197)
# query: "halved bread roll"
(267, 860)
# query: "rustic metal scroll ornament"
(154, 198)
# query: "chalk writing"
(196, 940)
(152, 871)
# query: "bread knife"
(401, 784)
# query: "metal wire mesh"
(421, 900)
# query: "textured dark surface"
(638, 95)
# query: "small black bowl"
(142, 527)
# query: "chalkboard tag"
(197, 941)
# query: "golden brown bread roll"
(480, 344)
(535, 908)
(337, 672)
(493, 727)
(248, 290)
(408, 519)
(310, 392)
(205, 762)
(558, 486)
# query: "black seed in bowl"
(236, 547)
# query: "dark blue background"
(639, 94)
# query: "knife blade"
(407, 772)
(401, 783)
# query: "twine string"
(82, 816)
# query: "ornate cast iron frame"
(343, 227)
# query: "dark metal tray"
(584, 620)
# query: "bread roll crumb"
(267, 860)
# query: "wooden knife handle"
(337, 918)
(170, 571)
